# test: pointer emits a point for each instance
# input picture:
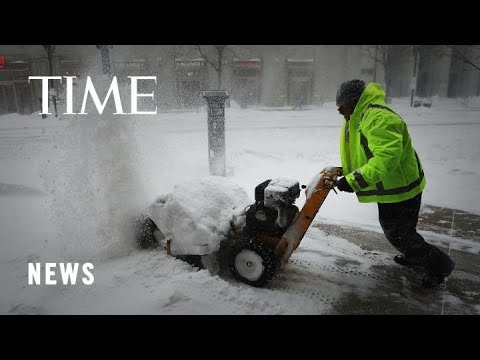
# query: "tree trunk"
(106, 60)
(388, 74)
(49, 49)
(105, 55)
(219, 77)
(220, 49)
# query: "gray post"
(216, 130)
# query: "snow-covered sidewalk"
(69, 187)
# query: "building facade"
(254, 75)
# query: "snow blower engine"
(273, 210)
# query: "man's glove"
(343, 185)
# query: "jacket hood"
(373, 93)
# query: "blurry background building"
(292, 76)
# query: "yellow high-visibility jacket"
(378, 159)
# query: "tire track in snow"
(336, 285)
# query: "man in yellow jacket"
(380, 165)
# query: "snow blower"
(274, 227)
(272, 230)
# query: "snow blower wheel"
(252, 263)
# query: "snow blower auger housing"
(274, 227)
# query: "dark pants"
(399, 224)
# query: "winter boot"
(430, 281)
(439, 266)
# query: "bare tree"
(215, 61)
(387, 56)
(464, 59)
(214, 55)
(469, 55)
(50, 50)
(380, 55)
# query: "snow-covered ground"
(69, 187)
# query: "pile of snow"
(199, 214)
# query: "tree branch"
(206, 59)
(462, 56)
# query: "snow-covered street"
(69, 187)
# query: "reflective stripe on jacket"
(378, 159)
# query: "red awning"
(250, 64)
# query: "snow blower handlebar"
(316, 194)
